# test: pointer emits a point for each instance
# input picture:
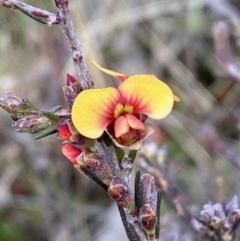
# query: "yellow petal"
(93, 110)
(148, 95)
(174, 96)
(120, 76)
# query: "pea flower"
(119, 110)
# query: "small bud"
(64, 132)
(32, 124)
(97, 165)
(119, 191)
(61, 112)
(220, 219)
(216, 223)
(232, 204)
(71, 152)
(14, 105)
(76, 137)
(147, 218)
(70, 80)
(234, 216)
(205, 217)
(68, 132)
(71, 90)
(149, 194)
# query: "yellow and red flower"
(118, 110)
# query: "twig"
(130, 231)
(37, 14)
(227, 10)
(66, 25)
(220, 33)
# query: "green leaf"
(46, 133)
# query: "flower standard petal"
(148, 95)
(120, 76)
(93, 110)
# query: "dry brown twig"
(66, 25)
(37, 14)
(220, 33)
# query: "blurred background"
(42, 196)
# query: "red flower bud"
(67, 132)
(71, 90)
(17, 107)
(70, 80)
(64, 132)
(71, 152)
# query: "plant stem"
(37, 14)
(66, 25)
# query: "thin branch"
(130, 231)
(37, 14)
(220, 34)
(66, 25)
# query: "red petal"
(71, 152)
(64, 132)
(70, 80)
(121, 126)
(134, 122)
